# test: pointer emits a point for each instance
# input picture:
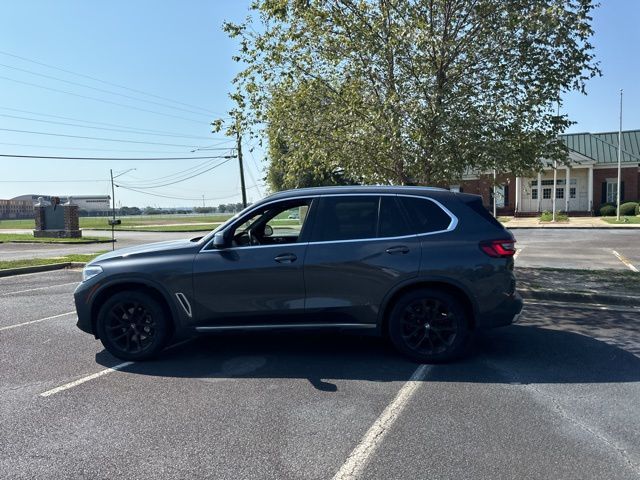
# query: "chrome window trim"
(452, 224)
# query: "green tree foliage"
(409, 91)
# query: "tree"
(409, 91)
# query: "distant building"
(10, 209)
(588, 181)
(87, 203)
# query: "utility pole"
(495, 191)
(619, 161)
(113, 221)
(242, 185)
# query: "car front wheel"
(429, 326)
(132, 326)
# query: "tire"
(132, 325)
(429, 326)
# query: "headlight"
(90, 271)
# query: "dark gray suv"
(423, 266)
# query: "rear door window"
(346, 218)
(392, 219)
(424, 215)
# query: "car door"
(257, 278)
(361, 246)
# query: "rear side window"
(346, 218)
(476, 205)
(424, 215)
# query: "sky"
(146, 78)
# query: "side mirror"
(219, 241)
(268, 231)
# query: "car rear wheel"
(429, 326)
(133, 326)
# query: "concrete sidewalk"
(575, 222)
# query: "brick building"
(581, 188)
(16, 209)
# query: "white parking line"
(517, 252)
(101, 373)
(626, 261)
(36, 321)
(38, 288)
(82, 380)
(357, 460)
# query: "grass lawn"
(548, 217)
(31, 262)
(128, 222)
(174, 228)
(623, 220)
(26, 237)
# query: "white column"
(567, 189)
(539, 190)
(518, 188)
(590, 189)
(553, 192)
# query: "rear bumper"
(506, 313)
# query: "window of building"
(546, 193)
(559, 192)
(534, 193)
(612, 191)
(572, 192)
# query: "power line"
(100, 100)
(53, 181)
(175, 174)
(187, 178)
(93, 122)
(84, 85)
(104, 81)
(102, 128)
(51, 134)
(115, 158)
(56, 147)
(199, 199)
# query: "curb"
(616, 227)
(29, 242)
(580, 297)
(39, 268)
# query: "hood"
(146, 249)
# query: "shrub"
(628, 208)
(638, 209)
(607, 210)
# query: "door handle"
(286, 258)
(400, 249)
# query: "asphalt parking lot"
(579, 249)
(555, 396)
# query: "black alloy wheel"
(429, 326)
(132, 326)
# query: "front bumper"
(81, 297)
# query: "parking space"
(553, 397)
(578, 249)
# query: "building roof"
(603, 147)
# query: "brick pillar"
(71, 221)
(39, 215)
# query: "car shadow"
(513, 355)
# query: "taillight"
(499, 248)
